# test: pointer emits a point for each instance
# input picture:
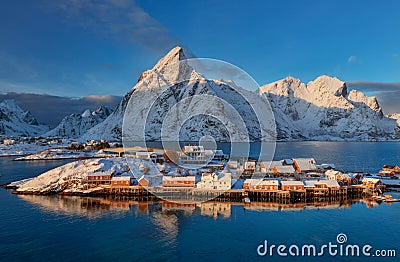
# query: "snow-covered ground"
(68, 178)
(62, 153)
(21, 149)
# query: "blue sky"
(77, 48)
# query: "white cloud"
(121, 19)
(352, 59)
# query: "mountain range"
(323, 109)
(76, 125)
(14, 121)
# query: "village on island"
(109, 169)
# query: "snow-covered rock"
(68, 178)
(396, 117)
(75, 125)
(324, 109)
(14, 121)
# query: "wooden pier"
(308, 195)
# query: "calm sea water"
(42, 228)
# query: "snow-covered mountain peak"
(14, 121)
(9, 103)
(360, 97)
(170, 69)
(175, 55)
(328, 84)
(75, 125)
(87, 113)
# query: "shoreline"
(199, 195)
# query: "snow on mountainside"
(14, 121)
(323, 109)
(75, 125)
(183, 82)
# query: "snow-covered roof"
(284, 169)
(292, 183)
(260, 181)
(305, 163)
(329, 183)
(121, 178)
(287, 161)
(253, 181)
(325, 166)
(179, 178)
(370, 180)
(190, 149)
(98, 174)
(332, 172)
(142, 178)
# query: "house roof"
(179, 178)
(260, 181)
(285, 169)
(329, 183)
(121, 178)
(292, 183)
(142, 178)
(253, 181)
(98, 174)
(371, 180)
(190, 149)
(305, 163)
(288, 161)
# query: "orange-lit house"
(98, 178)
(121, 181)
(178, 181)
(261, 184)
(143, 182)
(372, 183)
(292, 185)
(389, 170)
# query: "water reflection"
(168, 212)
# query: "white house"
(193, 155)
(212, 181)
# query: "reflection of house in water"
(115, 204)
(292, 207)
(187, 207)
(262, 206)
(215, 209)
